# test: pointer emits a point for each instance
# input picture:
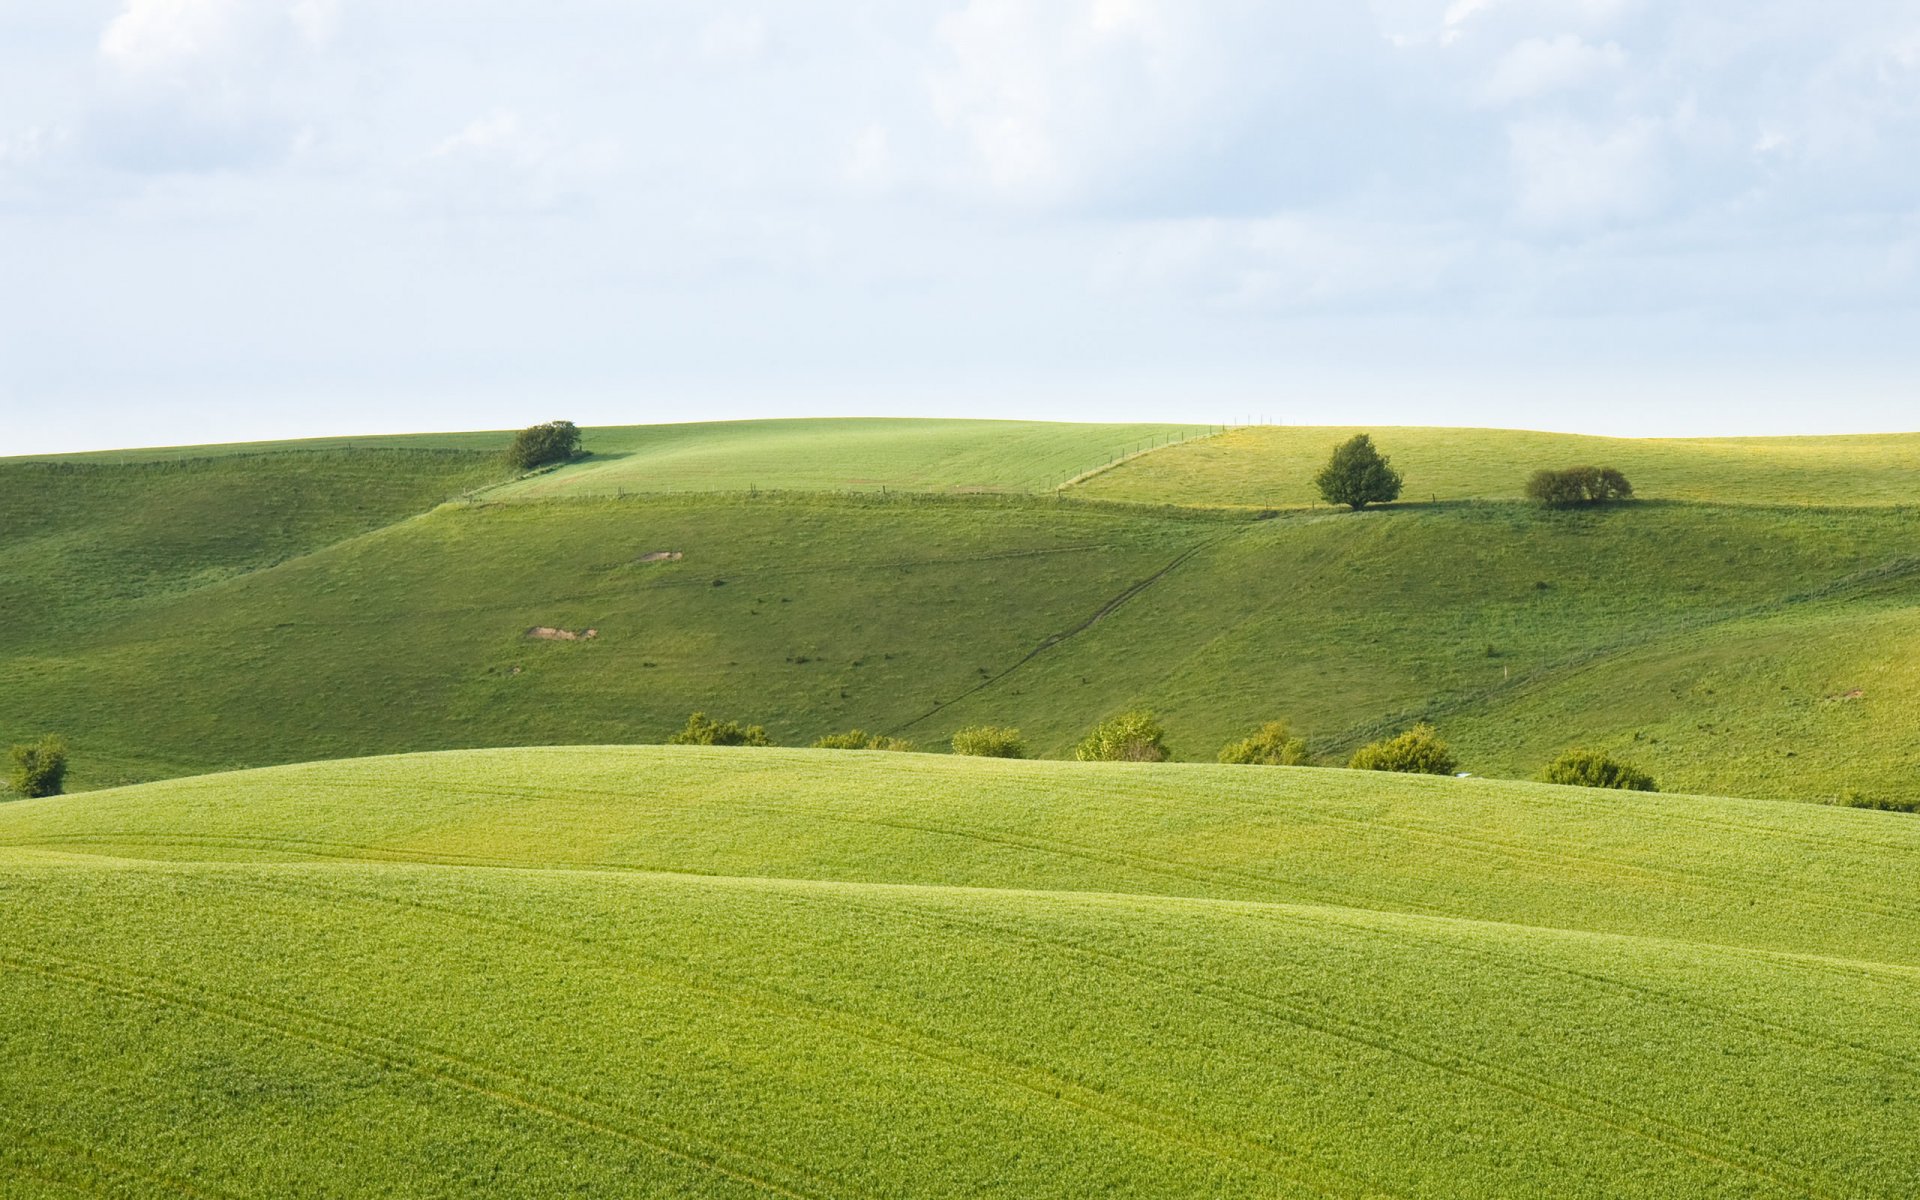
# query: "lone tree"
(1578, 485)
(538, 445)
(1358, 475)
(39, 768)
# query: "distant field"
(721, 973)
(1273, 466)
(853, 455)
(828, 454)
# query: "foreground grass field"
(649, 971)
(1273, 466)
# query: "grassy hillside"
(822, 974)
(921, 616)
(1273, 466)
(853, 454)
(843, 454)
(171, 618)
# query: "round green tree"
(1358, 475)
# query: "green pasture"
(1273, 466)
(637, 971)
(918, 616)
(177, 617)
(842, 455)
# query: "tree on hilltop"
(1358, 475)
(538, 445)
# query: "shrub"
(538, 445)
(1852, 798)
(1578, 485)
(1418, 751)
(860, 739)
(1272, 745)
(1358, 475)
(39, 768)
(1590, 768)
(703, 731)
(990, 741)
(1129, 737)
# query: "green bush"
(1578, 485)
(990, 741)
(860, 739)
(39, 768)
(1272, 745)
(1358, 475)
(703, 731)
(1418, 751)
(1590, 768)
(538, 445)
(1852, 798)
(1129, 737)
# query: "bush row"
(1138, 736)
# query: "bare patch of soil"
(546, 633)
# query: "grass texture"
(175, 617)
(811, 973)
(842, 455)
(1273, 466)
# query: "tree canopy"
(1358, 475)
(539, 445)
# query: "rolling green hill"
(607, 971)
(842, 454)
(177, 617)
(1273, 466)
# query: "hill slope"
(249, 609)
(647, 971)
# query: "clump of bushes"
(1272, 745)
(1578, 485)
(990, 741)
(860, 739)
(1358, 475)
(39, 768)
(539, 445)
(1418, 751)
(1130, 737)
(1852, 798)
(1590, 768)
(702, 730)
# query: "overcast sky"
(228, 219)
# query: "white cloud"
(1541, 66)
(1573, 175)
(869, 165)
(734, 41)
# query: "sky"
(225, 220)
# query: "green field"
(651, 971)
(843, 455)
(1731, 640)
(1273, 466)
